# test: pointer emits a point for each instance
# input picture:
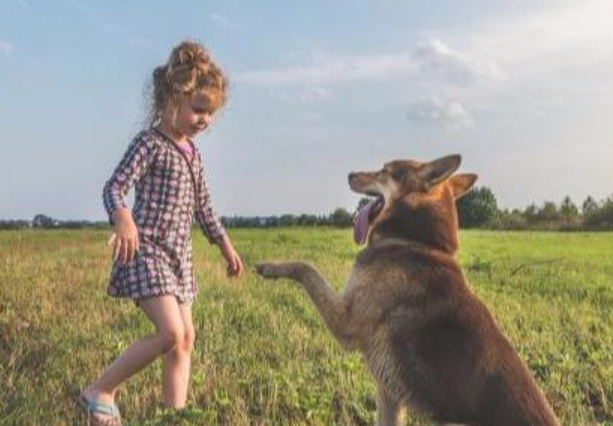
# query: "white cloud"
(433, 55)
(6, 48)
(220, 20)
(427, 56)
(569, 34)
(333, 71)
(493, 55)
(450, 114)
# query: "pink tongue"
(360, 225)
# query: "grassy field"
(262, 356)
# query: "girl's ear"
(461, 183)
(438, 170)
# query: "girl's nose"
(205, 121)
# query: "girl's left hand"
(235, 263)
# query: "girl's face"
(194, 114)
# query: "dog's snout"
(351, 176)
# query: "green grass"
(262, 355)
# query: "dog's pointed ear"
(461, 183)
(438, 170)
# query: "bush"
(506, 220)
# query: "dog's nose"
(351, 176)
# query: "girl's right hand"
(125, 238)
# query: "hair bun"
(189, 54)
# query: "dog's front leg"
(389, 410)
(331, 306)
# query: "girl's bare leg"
(175, 376)
(165, 314)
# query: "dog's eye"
(399, 175)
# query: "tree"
(341, 218)
(531, 213)
(589, 205)
(287, 220)
(477, 207)
(549, 212)
(43, 221)
(602, 216)
(307, 220)
(568, 209)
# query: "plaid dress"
(169, 191)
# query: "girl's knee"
(171, 338)
(189, 336)
(178, 340)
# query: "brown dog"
(429, 343)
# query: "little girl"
(152, 247)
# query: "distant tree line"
(477, 209)
(338, 218)
(42, 221)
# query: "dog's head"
(413, 200)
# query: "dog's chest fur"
(388, 283)
(396, 276)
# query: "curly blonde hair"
(189, 70)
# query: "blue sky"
(522, 89)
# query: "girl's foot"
(100, 408)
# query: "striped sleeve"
(130, 169)
(205, 215)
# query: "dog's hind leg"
(330, 305)
(389, 410)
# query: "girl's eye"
(202, 109)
